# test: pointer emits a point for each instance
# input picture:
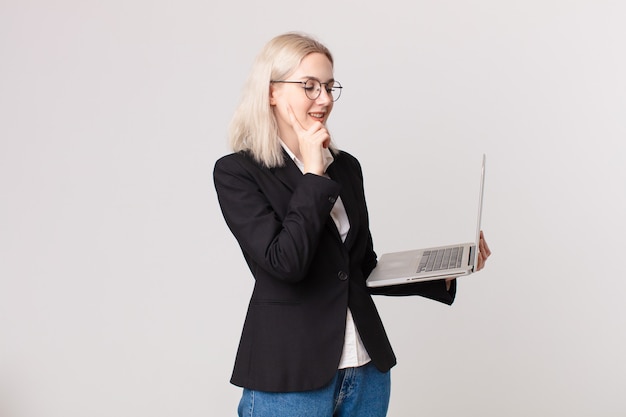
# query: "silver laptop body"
(431, 263)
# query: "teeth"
(320, 115)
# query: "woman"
(312, 343)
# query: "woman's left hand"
(483, 252)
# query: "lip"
(319, 116)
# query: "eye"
(312, 85)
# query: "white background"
(122, 292)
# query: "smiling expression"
(316, 66)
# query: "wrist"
(316, 170)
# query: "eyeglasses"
(313, 88)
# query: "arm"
(282, 243)
(434, 290)
(440, 290)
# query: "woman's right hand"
(312, 141)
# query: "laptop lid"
(402, 267)
(480, 213)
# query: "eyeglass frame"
(303, 83)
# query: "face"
(316, 66)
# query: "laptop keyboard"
(437, 260)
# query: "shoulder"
(232, 160)
(235, 167)
(348, 161)
(241, 169)
(343, 157)
(234, 163)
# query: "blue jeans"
(353, 392)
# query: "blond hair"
(254, 127)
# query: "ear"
(272, 95)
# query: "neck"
(293, 145)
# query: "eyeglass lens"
(313, 89)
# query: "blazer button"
(332, 199)
(342, 275)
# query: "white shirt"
(354, 353)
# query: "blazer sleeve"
(277, 229)
(434, 290)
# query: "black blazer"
(306, 277)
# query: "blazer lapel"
(289, 174)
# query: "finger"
(483, 245)
(322, 134)
(326, 142)
(481, 261)
(481, 248)
(295, 123)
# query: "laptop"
(431, 263)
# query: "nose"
(325, 97)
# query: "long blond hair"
(253, 127)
